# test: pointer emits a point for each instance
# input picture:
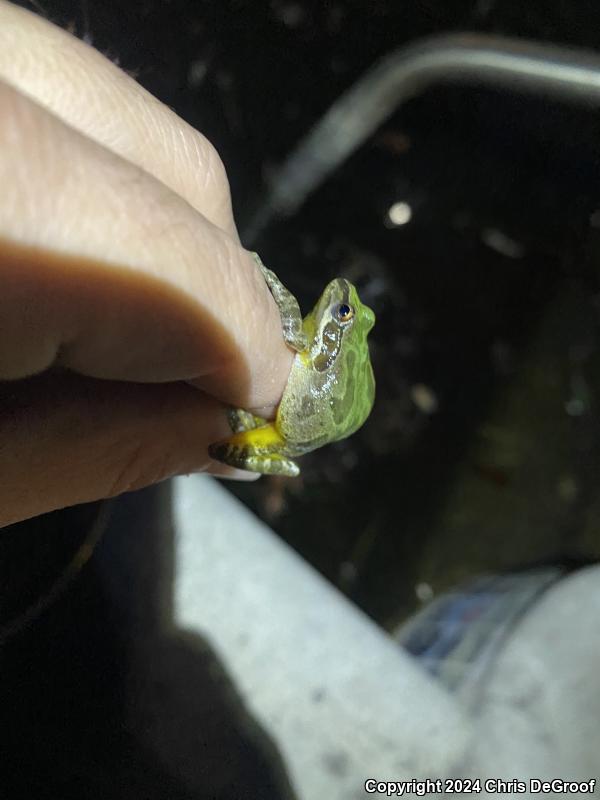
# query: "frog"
(330, 390)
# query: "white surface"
(341, 700)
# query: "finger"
(106, 271)
(91, 94)
(65, 439)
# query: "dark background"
(486, 301)
(498, 335)
(482, 453)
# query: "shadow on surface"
(101, 697)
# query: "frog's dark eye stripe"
(344, 312)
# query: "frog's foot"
(240, 420)
(289, 310)
(239, 457)
(255, 450)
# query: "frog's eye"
(344, 313)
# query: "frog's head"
(337, 329)
(339, 321)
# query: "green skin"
(330, 390)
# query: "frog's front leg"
(257, 449)
(289, 310)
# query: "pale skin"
(130, 316)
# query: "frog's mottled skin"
(330, 390)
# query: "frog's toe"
(294, 338)
(241, 420)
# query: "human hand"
(129, 312)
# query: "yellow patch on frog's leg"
(255, 450)
(240, 420)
